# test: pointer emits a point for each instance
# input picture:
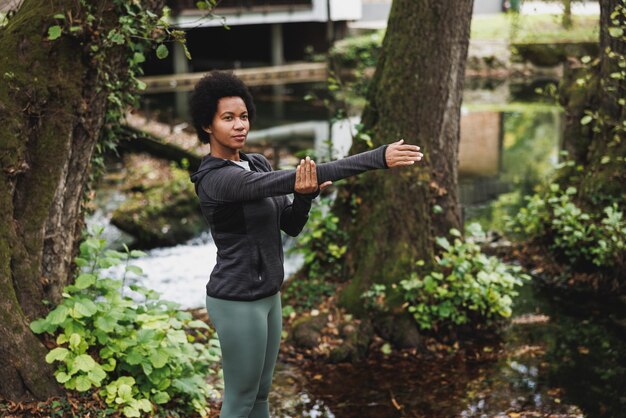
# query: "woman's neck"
(227, 154)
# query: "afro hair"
(207, 93)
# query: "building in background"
(260, 32)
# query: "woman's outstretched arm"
(231, 184)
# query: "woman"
(246, 206)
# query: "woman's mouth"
(240, 137)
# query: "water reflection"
(549, 362)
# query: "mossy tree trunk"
(415, 94)
(52, 108)
(599, 147)
(566, 20)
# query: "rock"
(401, 331)
(161, 208)
(306, 331)
(356, 343)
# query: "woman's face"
(230, 125)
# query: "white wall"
(345, 9)
(340, 10)
(487, 6)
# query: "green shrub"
(140, 354)
(582, 237)
(357, 51)
(322, 242)
(465, 287)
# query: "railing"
(242, 6)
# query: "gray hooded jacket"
(246, 210)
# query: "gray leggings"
(249, 334)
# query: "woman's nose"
(239, 125)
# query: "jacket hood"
(209, 163)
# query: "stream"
(557, 358)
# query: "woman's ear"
(207, 130)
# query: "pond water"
(550, 360)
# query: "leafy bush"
(140, 354)
(357, 51)
(578, 235)
(322, 242)
(466, 286)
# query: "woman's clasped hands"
(306, 177)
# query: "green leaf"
(54, 32)
(85, 307)
(443, 243)
(138, 58)
(187, 53)
(616, 32)
(198, 324)
(83, 383)
(159, 359)
(162, 52)
(63, 377)
(85, 280)
(386, 349)
(134, 358)
(84, 362)
(39, 325)
(161, 397)
(57, 354)
(74, 340)
(130, 411)
(605, 160)
(134, 269)
(125, 393)
(97, 375)
(59, 16)
(137, 254)
(145, 405)
(58, 315)
(586, 119)
(106, 323)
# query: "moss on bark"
(415, 94)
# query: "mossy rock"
(401, 331)
(307, 331)
(357, 338)
(552, 54)
(161, 210)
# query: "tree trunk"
(52, 108)
(566, 20)
(598, 147)
(415, 94)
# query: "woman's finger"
(313, 175)
(325, 185)
(307, 173)
(299, 177)
(402, 163)
(407, 147)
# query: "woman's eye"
(228, 117)
(244, 117)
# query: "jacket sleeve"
(294, 214)
(231, 184)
